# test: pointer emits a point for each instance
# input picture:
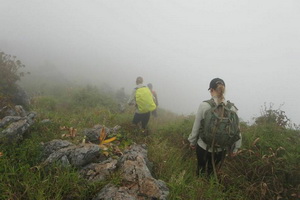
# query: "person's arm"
(193, 137)
(155, 96)
(131, 100)
(238, 143)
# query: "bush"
(10, 92)
(273, 116)
(267, 167)
(9, 67)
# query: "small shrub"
(269, 115)
(9, 67)
(268, 165)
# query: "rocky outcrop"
(138, 183)
(71, 155)
(113, 192)
(55, 145)
(99, 171)
(16, 124)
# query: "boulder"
(16, 126)
(93, 134)
(99, 171)
(110, 192)
(55, 145)
(9, 119)
(137, 180)
(75, 155)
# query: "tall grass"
(20, 174)
(267, 167)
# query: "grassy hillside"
(267, 166)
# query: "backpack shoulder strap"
(211, 102)
(229, 105)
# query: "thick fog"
(178, 46)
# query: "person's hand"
(192, 146)
(233, 154)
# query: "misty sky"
(178, 46)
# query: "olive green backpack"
(220, 126)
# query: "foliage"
(73, 99)
(175, 163)
(269, 115)
(265, 168)
(9, 67)
(20, 178)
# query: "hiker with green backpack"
(215, 131)
(143, 100)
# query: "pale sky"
(178, 46)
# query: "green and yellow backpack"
(144, 100)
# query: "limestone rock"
(110, 192)
(138, 182)
(93, 134)
(16, 127)
(77, 156)
(99, 171)
(9, 119)
(55, 145)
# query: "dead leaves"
(255, 141)
(106, 145)
(102, 137)
(71, 131)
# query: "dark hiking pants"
(141, 117)
(204, 159)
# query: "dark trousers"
(204, 159)
(141, 117)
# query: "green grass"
(269, 169)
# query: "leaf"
(102, 135)
(108, 140)
(255, 141)
(73, 132)
(1, 154)
(118, 151)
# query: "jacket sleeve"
(155, 96)
(238, 143)
(193, 137)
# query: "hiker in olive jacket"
(142, 112)
(204, 154)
